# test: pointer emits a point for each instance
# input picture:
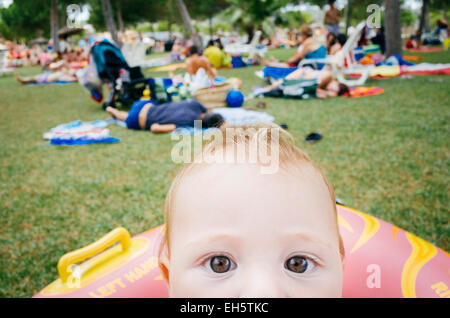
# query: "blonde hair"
(306, 30)
(290, 156)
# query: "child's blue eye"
(297, 264)
(220, 264)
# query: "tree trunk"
(188, 24)
(120, 19)
(54, 25)
(107, 13)
(348, 16)
(250, 29)
(300, 18)
(423, 15)
(427, 18)
(393, 24)
(210, 27)
(170, 18)
(444, 8)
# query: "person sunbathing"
(335, 43)
(308, 49)
(320, 84)
(167, 117)
(64, 73)
(195, 61)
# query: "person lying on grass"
(321, 83)
(62, 73)
(233, 231)
(167, 117)
(308, 49)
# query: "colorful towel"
(385, 71)
(395, 59)
(80, 133)
(417, 69)
(361, 91)
(426, 69)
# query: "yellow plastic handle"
(117, 235)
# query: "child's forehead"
(204, 173)
(224, 196)
(245, 184)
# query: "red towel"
(360, 91)
(444, 71)
(425, 49)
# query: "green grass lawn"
(387, 155)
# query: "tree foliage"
(26, 19)
(133, 12)
(252, 15)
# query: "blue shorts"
(132, 120)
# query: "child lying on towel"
(167, 117)
(233, 231)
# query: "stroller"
(126, 84)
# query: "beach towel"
(395, 59)
(426, 69)
(361, 91)
(167, 68)
(233, 116)
(412, 58)
(277, 72)
(424, 49)
(50, 83)
(160, 61)
(385, 71)
(80, 133)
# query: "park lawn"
(387, 155)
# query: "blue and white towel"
(80, 133)
(233, 116)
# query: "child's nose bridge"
(261, 281)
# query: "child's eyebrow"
(207, 239)
(308, 238)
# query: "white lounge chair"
(343, 62)
(251, 49)
(134, 53)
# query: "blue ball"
(235, 98)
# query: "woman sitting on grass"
(309, 49)
(167, 117)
